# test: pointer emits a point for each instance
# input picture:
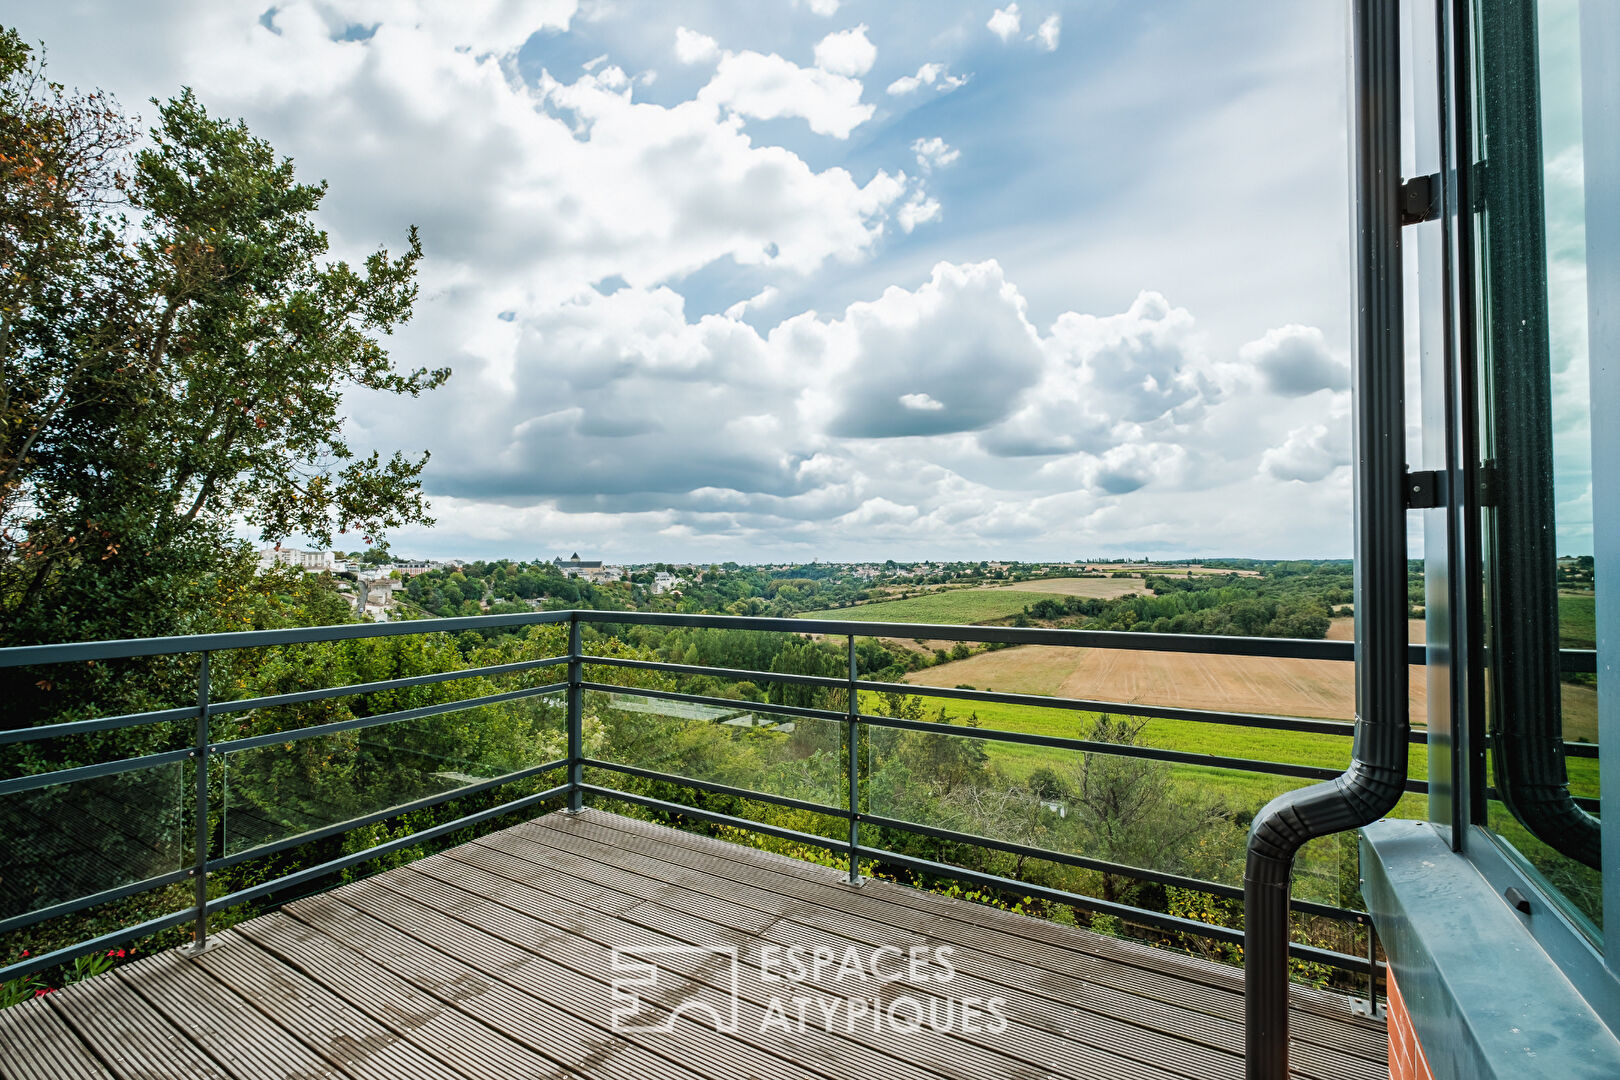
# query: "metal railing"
(206, 750)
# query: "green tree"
(176, 346)
(1132, 812)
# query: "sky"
(809, 279)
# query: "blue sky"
(793, 280)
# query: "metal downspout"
(1376, 777)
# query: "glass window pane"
(1535, 446)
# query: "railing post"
(852, 734)
(576, 702)
(199, 753)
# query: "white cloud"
(825, 8)
(1005, 22)
(692, 47)
(920, 209)
(764, 298)
(768, 87)
(1050, 29)
(1294, 361)
(1140, 374)
(847, 52)
(1312, 452)
(934, 153)
(930, 74)
(945, 339)
(921, 403)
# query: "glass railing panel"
(282, 790)
(743, 745)
(1179, 819)
(70, 840)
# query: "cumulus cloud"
(1140, 373)
(1050, 29)
(1311, 453)
(767, 87)
(594, 408)
(934, 153)
(764, 298)
(943, 340)
(1005, 22)
(692, 47)
(1294, 361)
(920, 209)
(825, 8)
(846, 52)
(930, 74)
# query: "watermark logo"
(637, 995)
(792, 990)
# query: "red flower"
(25, 952)
(120, 954)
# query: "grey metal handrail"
(205, 750)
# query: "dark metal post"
(852, 729)
(1372, 969)
(576, 711)
(199, 868)
(1373, 783)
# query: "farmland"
(1101, 588)
(1287, 687)
(957, 607)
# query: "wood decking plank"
(1306, 999)
(807, 927)
(687, 1040)
(581, 1043)
(495, 958)
(133, 1038)
(39, 1045)
(245, 1041)
(1186, 977)
(1115, 990)
(944, 1054)
(317, 1018)
(434, 1025)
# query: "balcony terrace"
(494, 959)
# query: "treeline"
(506, 586)
(1294, 600)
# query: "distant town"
(383, 586)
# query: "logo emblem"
(639, 1002)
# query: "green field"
(1577, 621)
(957, 607)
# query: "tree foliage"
(176, 346)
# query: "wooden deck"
(494, 960)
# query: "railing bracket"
(1425, 490)
(1420, 199)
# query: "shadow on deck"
(495, 959)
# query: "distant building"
(593, 570)
(314, 561)
(663, 582)
(574, 566)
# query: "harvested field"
(1344, 629)
(1314, 688)
(1168, 571)
(1101, 588)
